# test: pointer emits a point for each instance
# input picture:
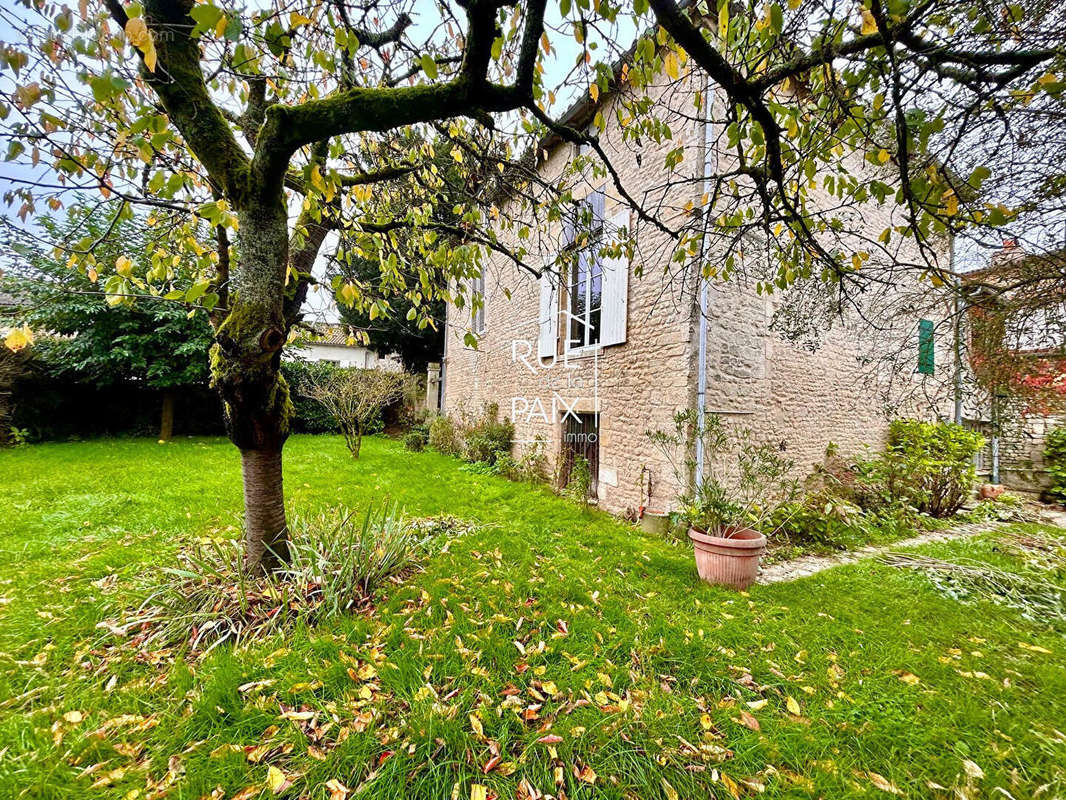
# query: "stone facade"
(799, 399)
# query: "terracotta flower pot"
(730, 557)
(990, 491)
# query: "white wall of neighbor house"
(345, 356)
(646, 369)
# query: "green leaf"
(429, 66)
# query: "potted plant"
(728, 511)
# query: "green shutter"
(926, 349)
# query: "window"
(477, 300)
(585, 281)
(926, 347)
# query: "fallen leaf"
(671, 792)
(587, 774)
(550, 738)
(73, 717)
(277, 781)
(478, 792)
(792, 705)
(337, 790)
(972, 769)
(883, 783)
(747, 720)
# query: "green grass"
(676, 661)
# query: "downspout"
(958, 309)
(701, 380)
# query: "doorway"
(581, 437)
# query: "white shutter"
(615, 300)
(549, 313)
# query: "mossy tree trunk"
(245, 369)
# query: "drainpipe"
(958, 311)
(701, 381)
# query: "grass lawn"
(859, 682)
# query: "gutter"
(701, 380)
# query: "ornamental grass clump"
(339, 561)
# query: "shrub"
(339, 561)
(310, 415)
(415, 440)
(355, 397)
(488, 437)
(443, 437)
(1055, 460)
(928, 465)
(579, 486)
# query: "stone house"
(589, 362)
(1015, 293)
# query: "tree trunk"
(245, 369)
(266, 542)
(166, 419)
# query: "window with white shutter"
(615, 277)
(548, 334)
(585, 279)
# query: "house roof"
(335, 335)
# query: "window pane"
(595, 298)
(579, 301)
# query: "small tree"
(354, 397)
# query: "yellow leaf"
(756, 705)
(792, 705)
(951, 203)
(73, 717)
(123, 266)
(478, 792)
(883, 156)
(19, 338)
(150, 56)
(137, 32)
(671, 65)
(909, 678)
(476, 725)
(594, 92)
(277, 781)
(869, 24)
(723, 20)
(296, 20)
(670, 791)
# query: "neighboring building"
(333, 344)
(590, 363)
(1017, 353)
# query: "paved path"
(809, 565)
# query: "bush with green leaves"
(487, 437)
(1055, 461)
(443, 436)
(927, 465)
(414, 440)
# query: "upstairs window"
(585, 283)
(926, 347)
